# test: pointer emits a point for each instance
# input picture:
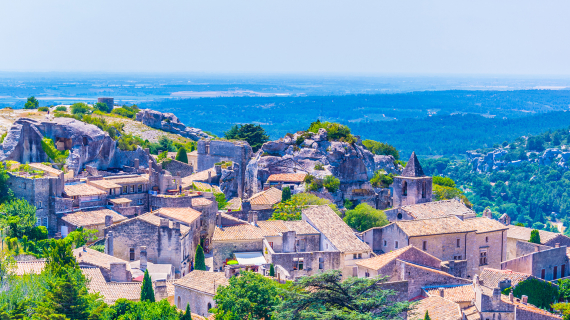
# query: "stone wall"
(63, 205)
(524, 247)
(222, 250)
(161, 201)
(313, 262)
(536, 262)
(400, 289)
(262, 215)
(414, 190)
(175, 167)
(198, 300)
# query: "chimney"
(108, 220)
(143, 260)
(441, 292)
(164, 222)
(160, 290)
(511, 296)
(209, 176)
(254, 214)
(524, 299)
(219, 219)
(109, 243)
(118, 271)
(557, 245)
(136, 164)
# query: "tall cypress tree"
(271, 270)
(182, 156)
(187, 315)
(66, 298)
(199, 260)
(286, 195)
(147, 293)
(426, 317)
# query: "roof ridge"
(413, 167)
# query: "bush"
(335, 131)
(381, 148)
(540, 293)
(61, 108)
(80, 108)
(381, 180)
(126, 111)
(232, 262)
(319, 166)
(182, 155)
(348, 204)
(364, 217)
(291, 209)
(331, 183)
(3, 137)
(52, 152)
(534, 237)
(129, 142)
(444, 181)
(43, 109)
(299, 141)
(103, 107)
(286, 194)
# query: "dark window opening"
(85, 142)
(396, 244)
(563, 271)
(321, 263)
(543, 274)
(405, 189)
(424, 246)
(132, 254)
(458, 243)
(399, 216)
(555, 273)
(423, 190)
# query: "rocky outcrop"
(87, 144)
(352, 164)
(495, 160)
(169, 122)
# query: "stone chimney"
(109, 243)
(164, 222)
(143, 260)
(536, 248)
(118, 271)
(441, 292)
(160, 290)
(557, 245)
(137, 164)
(108, 220)
(524, 299)
(254, 217)
(511, 296)
(219, 219)
(209, 176)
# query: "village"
(160, 216)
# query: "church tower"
(413, 186)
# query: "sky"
(294, 37)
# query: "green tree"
(331, 183)
(540, 293)
(534, 236)
(66, 297)
(364, 217)
(249, 296)
(326, 296)
(80, 108)
(199, 260)
(426, 317)
(381, 179)
(60, 259)
(103, 107)
(166, 144)
(443, 181)
(32, 103)
(221, 200)
(141, 310)
(291, 209)
(147, 293)
(182, 156)
(187, 314)
(381, 148)
(271, 270)
(286, 194)
(255, 135)
(19, 215)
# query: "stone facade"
(223, 250)
(198, 301)
(411, 190)
(178, 168)
(549, 264)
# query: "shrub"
(103, 107)
(348, 204)
(126, 111)
(51, 151)
(286, 194)
(381, 180)
(80, 108)
(364, 217)
(43, 109)
(534, 237)
(129, 142)
(335, 131)
(540, 293)
(381, 148)
(444, 181)
(232, 262)
(98, 247)
(3, 137)
(61, 108)
(182, 156)
(331, 183)
(299, 141)
(319, 166)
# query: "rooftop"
(523, 233)
(82, 189)
(413, 167)
(434, 226)
(199, 176)
(437, 209)
(491, 277)
(184, 215)
(120, 200)
(378, 262)
(128, 180)
(201, 202)
(29, 267)
(103, 184)
(203, 281)
(484, 224)
(267, 197)
(270, 228)
(234, 204)
(152, 218)
(287, 177)
(325, 220)
(111, 291)
(96, 258)
(49, 169)
(437, 307)
(455, 293)
(92, 217)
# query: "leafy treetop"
(255, 135)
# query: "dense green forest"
(454, 121)
(534, 193)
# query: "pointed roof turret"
(413, 167)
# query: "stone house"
(132, 187)
(384, 264)
(412, 186)
(430, 210)
(198, 289)
(549, 264)
(265, 200)
(281, 180)
(96, 219)
(112, 268)
(169, 234)
(518, 237)
(491, 278)
(477, 243)
(337, 236)
(85, 196)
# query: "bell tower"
(413, 186)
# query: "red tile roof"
(287, 177)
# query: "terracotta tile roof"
(325, 220)
(443, 273)
(484, 224)
(491, 277)
(523, 233)
(234, 204)
(437, 307)
(240, 232)
(301, 227)
(232, 218)
(287, 177)
(472, 313)
(433, 226)
(29, 267)
(92, 217)
(184, 215)
(455, 293)
(96, 258)
(111, 291)
(201, 202)
(378, 262)
(437, 209)
(143, 178)
(120, 200)
(82, 189)
(266, 198)
(103, 184)
(48, 169)
(203, 281)
(529, 307)
(153, 219)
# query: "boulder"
(170, 123)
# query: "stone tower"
(413, 186)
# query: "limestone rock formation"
(87, 144)
(170, 123)
(352, 164)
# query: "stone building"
(96, 219)
(430, 210)
(169, 234)
(412, 186)
(549, 264)
(132, 187)
(112, 268)
(518, 237)
(198, 289)
(477, 243)
(281, 180)
(265, 200)
(85, 196)
(337, 236)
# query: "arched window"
(405, 189)
(423, 190)
(209, 306)
(179, 303)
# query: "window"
(456, 257)
(563, 271)
(396, 244)
(555, 273)
(125, 189)
(298, 264)
(209, 307)
(133, 189)
(271, 245)
(301, 245)
(486, 239)
(399, 216)
(423, 190)
(132, 254)
(405, 189)
(321, 263)
(483, 257)
(354, 256)
(424, 246)
(360, 256)
(543, 274)
(39, 204)
(38, 222)
(24, 185)
(179, 303)
(140, 188)
(459, 243)
(366, 274)
(385, 243)
(45, 222)
(140, 201)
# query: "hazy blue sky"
(397, 36)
